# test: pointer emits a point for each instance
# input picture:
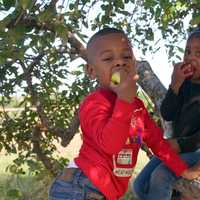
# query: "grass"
(27, 187)
(19, 187)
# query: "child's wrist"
(126, 99)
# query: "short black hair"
(194, 33)
(104, 31)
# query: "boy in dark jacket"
(181, 105)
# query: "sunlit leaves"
(46, 15)
(119, 4)
(150, 3)
(14, 193)
(7, 4)
(25, 3)
(196, 17)
(149, 34)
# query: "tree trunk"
(151, 84)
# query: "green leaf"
(8, 4)
(124, 12)
(180, 49)
(195, 20)
(179, 5)
(119, 4)
(2, 60)
(195, 1)
(105, 19)
(150, 3)
(71, 6)
(46, 16)
(62, 31)
(12, 169)
(24, 4)
(178, 57)
(157, 13)
(150, 34)
(14, 193)
(165, 4)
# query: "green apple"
(115, 78)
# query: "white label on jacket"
(123, 172)
(125, 157)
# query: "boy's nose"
(191, 60)
(120, 62)
(188, 58)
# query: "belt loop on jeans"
(76, 175)
(68, 174)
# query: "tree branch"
(78, 46)
(66, 134)
(53, 3)
(151, 84)
(37, 149)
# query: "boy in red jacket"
(114, 122)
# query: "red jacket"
(112, 133)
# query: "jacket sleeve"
(169, 105)
(153, 137)
(190, 143)
(104, 124)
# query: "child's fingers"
(113, 85)
(178, 65)
(136, 77)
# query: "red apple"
(188, 71)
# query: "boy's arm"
(189, 144)
(153, 137)
(165, 152)
(174, 94)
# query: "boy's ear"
(90, 71)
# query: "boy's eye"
(127, 57)
(107, 58)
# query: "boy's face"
(109, 53)
(192, 56)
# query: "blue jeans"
(155, 181)
(77, 187)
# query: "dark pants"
(72, 184)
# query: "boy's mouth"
(118, 75)
(124, 69)
(190, 70)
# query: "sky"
(160, 64)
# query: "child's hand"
(192, 173)
(123, 83)
(180, 73)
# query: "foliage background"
(38, 41)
